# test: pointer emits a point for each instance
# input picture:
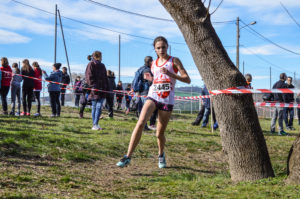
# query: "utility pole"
(63, 36)
(170, 50)
(119, 57)
(55, 37)
(238, 43)
(243, 68)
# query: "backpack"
(137, 83)
(268, 97)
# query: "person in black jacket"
(119, 95)
(110, 96)
(289, 111)
(27, 88)
(65, 80)
(281, 98)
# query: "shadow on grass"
(191, 169)
(268, 133)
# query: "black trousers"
(200, 115)
(153, 117)
(38, 99)
(27, 94)
(3, 92)
(62, 97)
(54, 101)
(110, 105)
(77, 99)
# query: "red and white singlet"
(163, 86)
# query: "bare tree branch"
(217, 7)
(207, 12)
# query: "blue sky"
(29, 33)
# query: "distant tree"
(241, 134)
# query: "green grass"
(62, 158)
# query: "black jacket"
(65, 79)
(290, 97)
(278, 96)
(28, 82)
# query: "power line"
(270, 41)
(92, 25)
(139, 14)
(290, 15)
(265, 60)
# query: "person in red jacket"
(37, 86)
(5, 83)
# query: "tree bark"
(241, 134)
(293, 163)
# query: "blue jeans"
(96, 110)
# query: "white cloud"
(268, 49)
(7, 37)
(261, 77)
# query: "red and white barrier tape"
(243, 90)
(276, 104)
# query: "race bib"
(162, 87)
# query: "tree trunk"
(241, 134)
(293, 163)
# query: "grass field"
(62, 158)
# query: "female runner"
(161, 96)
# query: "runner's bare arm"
(184, 77)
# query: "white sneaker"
(96, 127)
(152, 127)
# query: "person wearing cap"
(54, 88)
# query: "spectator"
(66, 81)
(110, 96)
(119, 95)
(206, 104)
(289, 112)
(78, 90)
(5, 83)
(37, 86)
(199, 116)
(54, 89)
(15, 91)
(140, 85)
(96, 78)
(281, 98)
(27, 88)
(128, 98)
(248, 78)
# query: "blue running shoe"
(124, 161)
(162, 161)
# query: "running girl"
(161, 96)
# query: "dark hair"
(26, 67)
(290, 77)
(160, 38)
(4, 62)
(37, 66)
(128, 85)
(64, 68)
(148, 59)
(15, 66)
(89, 57)
(282, 76)
(57, 66)
(109, 73)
